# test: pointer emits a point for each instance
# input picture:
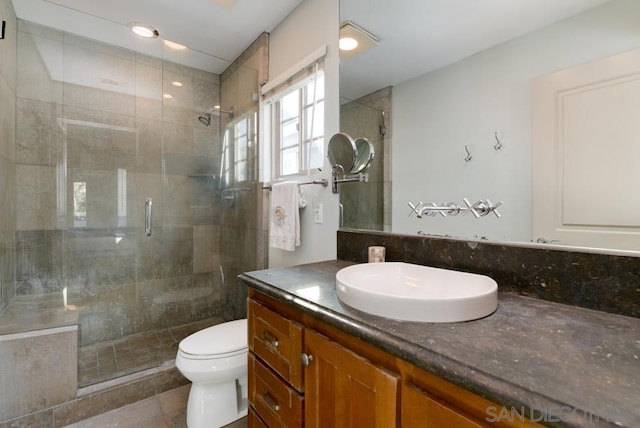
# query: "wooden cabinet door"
(421, 410)
(344, 390)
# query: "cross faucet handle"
(493, 207)
(473, 208)
(415, 209)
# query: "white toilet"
(215, 361)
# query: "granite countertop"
(572, 366)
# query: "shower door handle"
(147, 216)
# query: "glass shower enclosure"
(120, 224)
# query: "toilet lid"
(220, 339)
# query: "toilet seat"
(219, 341)
(188, 356)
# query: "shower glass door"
(102, 130)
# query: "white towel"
(286, 200)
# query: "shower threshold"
(130, 354)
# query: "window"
(295, 117)
(238, 142)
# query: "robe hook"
(468, 157)
(498, 144)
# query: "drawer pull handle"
(306, 359)
(270, 401)
(270, 339)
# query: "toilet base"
(216, 405)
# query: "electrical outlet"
(317, 213)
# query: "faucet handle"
(415, 209)
(472, 208)
(492, 207)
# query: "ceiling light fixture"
(174, 45)
(354, 39)
(177, 84)
(348, 43)
(167, 96)
(143, 30)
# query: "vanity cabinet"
(274, 367)
(305, 373)
(342, 389)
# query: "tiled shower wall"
(364, 205)
(95, 137)
(243, 236)
(7, 154)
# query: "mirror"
(348, 156)
(342, 153)
(467, 84)
(364, 155)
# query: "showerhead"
(205, 118)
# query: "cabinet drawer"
(273, 400)
(253, 420)
(277, 341)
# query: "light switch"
(317, 213)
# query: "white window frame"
(306, 117)
(310, 110)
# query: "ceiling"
(415, 36)
(418, 36)
(217, 31)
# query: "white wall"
(437, 114)
(312, 24)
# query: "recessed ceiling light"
(354, 40)
(177, 84)
(143, 30)
(167, 96)
(174, 45)
(348, 43)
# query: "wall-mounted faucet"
(479, 209)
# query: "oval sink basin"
(409, 292)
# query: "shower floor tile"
(166, 410)
(130, 354)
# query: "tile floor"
(130, 354)
(166, 410)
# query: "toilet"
(215, 361)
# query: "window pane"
(317, 115)
(289, 161)
(319, 90)
(241, 127)
(290, 106)
(298, 122)
(290, 134)
(316, 155)
(241, 171)
(226, 156)
(79, 204)
(241, 148)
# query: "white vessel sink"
(409, 292)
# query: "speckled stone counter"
(565, 365)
